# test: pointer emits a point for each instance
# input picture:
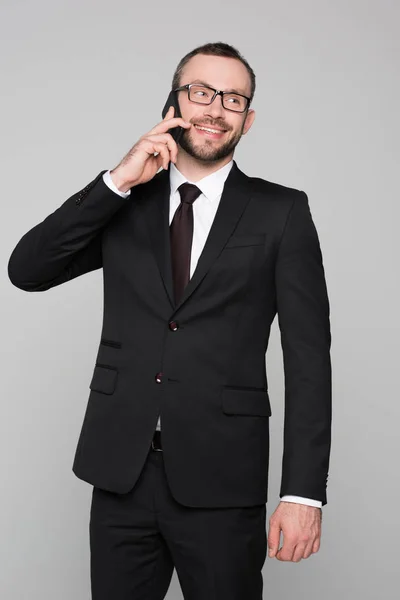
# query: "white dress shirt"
(204, 209)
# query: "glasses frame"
(216, 93)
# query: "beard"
(208, 151)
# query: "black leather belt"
(156, 441)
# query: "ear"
(251, 115)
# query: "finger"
(286, 552)
(159, 160)
(166, 138)
(164, 152)
(308, 549)
(168, 124)
(170, 113)
(273, 539)
(316, 545)
(299, 551)
(150, 145)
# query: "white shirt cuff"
(109, 182)
(301, 500)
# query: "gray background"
(81, 82)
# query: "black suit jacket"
(201, 363)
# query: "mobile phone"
(172, 100)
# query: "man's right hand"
(140, 165)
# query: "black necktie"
(181, 232)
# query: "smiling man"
(198, 259)
(226, 124)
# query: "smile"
(209, 131)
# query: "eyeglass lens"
(203, 95)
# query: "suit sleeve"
(303, 317)
(67, 243)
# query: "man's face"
(221, 73)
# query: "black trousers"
(136, 540)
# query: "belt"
(156, 441)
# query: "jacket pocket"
(245, 401)
(104, 379)
(111, 343)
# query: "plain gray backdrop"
(81, 81)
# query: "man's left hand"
(301, 528)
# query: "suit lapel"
(156, 212)
(234, 199)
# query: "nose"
(215, 109)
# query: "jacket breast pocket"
(104, 379)
(245, 401)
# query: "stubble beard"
(208, 151)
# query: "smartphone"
(172, 100)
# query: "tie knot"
(189, 192)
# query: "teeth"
(208, 129)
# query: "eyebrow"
(209, 85)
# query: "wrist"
(120, 181)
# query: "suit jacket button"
(173, 325)
(158, 377)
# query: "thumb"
(273, 540)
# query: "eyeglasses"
(202, 94)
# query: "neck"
(194, 169)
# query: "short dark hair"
(214, 49)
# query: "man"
(197, 260)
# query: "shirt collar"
(211, 186)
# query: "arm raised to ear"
(67, 243)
